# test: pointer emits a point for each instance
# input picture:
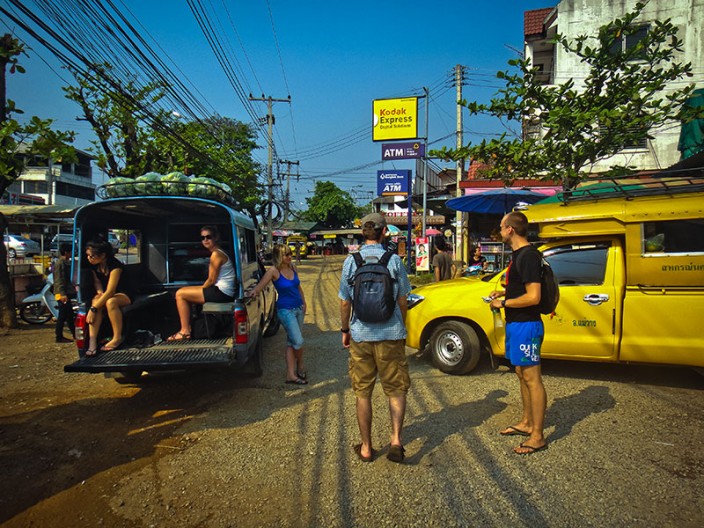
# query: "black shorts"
(213, 294)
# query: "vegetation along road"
(225, 449)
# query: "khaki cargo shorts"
(385, 358)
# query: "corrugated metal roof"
(38, 210)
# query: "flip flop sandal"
(91, 353)
(513, 431)
(396, 453)
(297, 381)
(183, 337)
(358, 452)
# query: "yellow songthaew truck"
(631, 273)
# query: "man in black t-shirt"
(524, 330)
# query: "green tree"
(331, 206)
(35, 137)
(118, 113)
(223, 151)
(136, 137)
(621, 103)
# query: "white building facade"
(573, 18)
(53, 183)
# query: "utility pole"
(459, 253)
(270, 176)
(288, 184)
(425, 163)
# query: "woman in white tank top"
(218, 287)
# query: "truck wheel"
(455, 347)
(273, 326)
(35, 313)
(257, 359)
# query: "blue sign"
(395, 151)
(393, 182)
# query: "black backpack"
(373, 299)
(549, 288)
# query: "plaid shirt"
(393, 329)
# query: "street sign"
(393, 182)
(408, 150)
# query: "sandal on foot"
(297, 381)
(178, 336)
(91, 352)
(303, 375)
(513, 431)
(396, 453)
(531, 449)
(110, 348)
(358, 451)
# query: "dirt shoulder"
(221, 448)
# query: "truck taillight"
(241, 326)
(81, 333)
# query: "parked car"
(631, 288)
(60, 238)
(19, 246)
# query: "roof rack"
(167, 189)
(633, 186)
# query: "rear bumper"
(168, 355)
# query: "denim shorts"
(523, 342)
(292, 321)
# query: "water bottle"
(498, 320)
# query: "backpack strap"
(358, 259)
(386, 257)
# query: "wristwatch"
(503, 303)
(93, 309)
(345, 330)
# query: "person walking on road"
(524, 331)
(64, 290)
(443, 267)
(290, 307)
(377, 347)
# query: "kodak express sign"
(395, 119)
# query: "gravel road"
(224, 449)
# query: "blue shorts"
(292, 321)
(523, 342)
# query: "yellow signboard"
(395, 119)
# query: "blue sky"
(332, 58)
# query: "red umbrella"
(432, 232)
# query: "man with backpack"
(373, 289)
(524, 330)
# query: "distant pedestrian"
(64, 290)
(298, 253)
(443, 266)
(524, 331)
(377, 347)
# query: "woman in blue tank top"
(290, 307)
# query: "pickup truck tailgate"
(167, 355)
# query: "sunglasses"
(92, 255)
(206, 237)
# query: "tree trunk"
(8, 317)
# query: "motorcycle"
(41, 306)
